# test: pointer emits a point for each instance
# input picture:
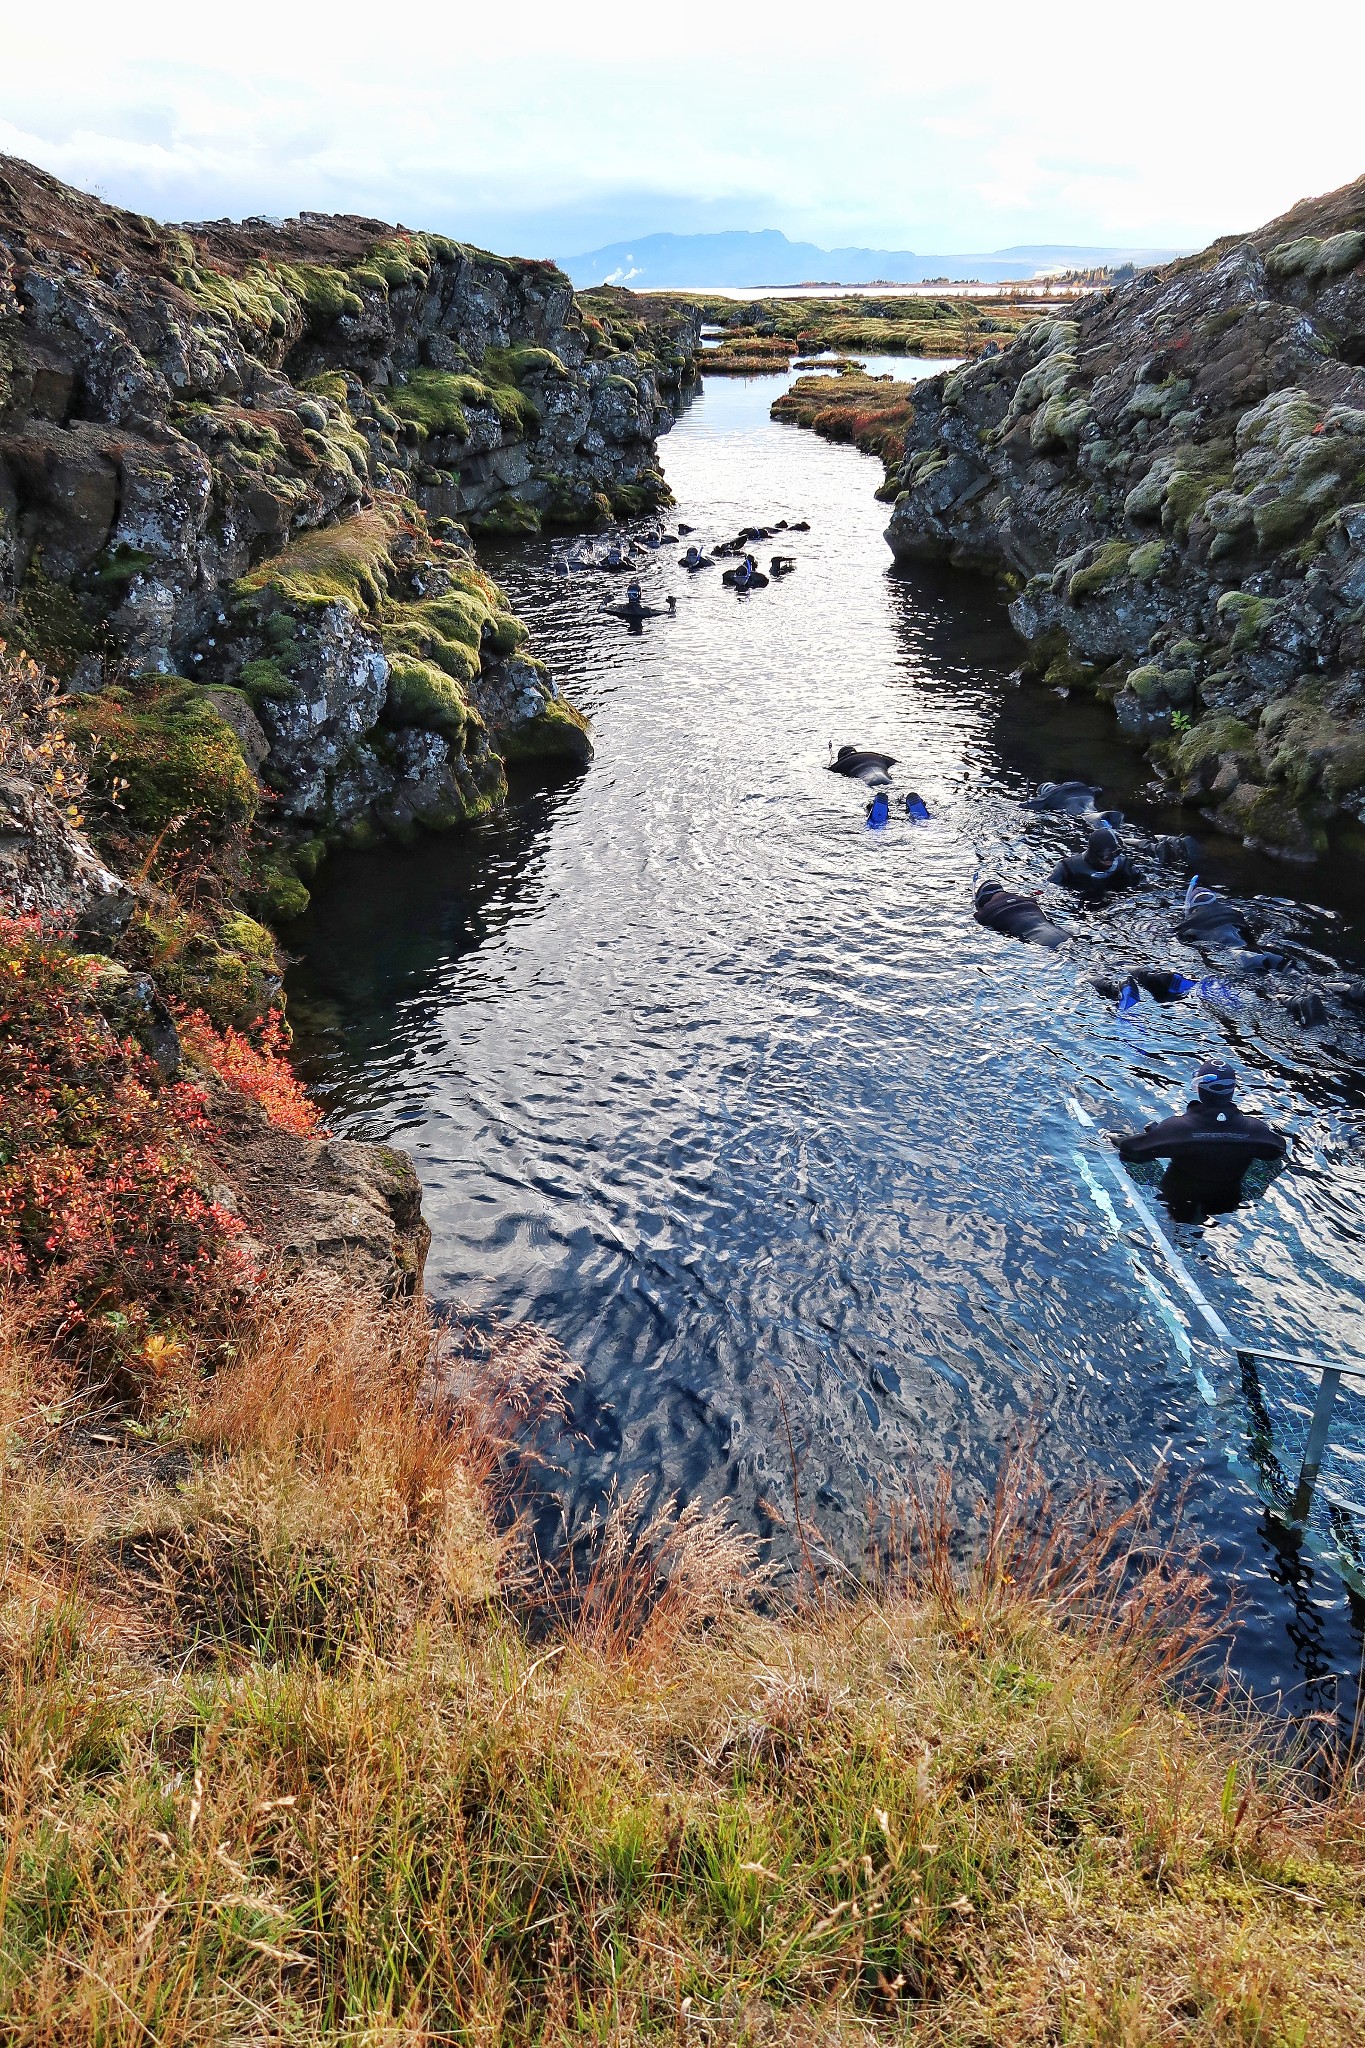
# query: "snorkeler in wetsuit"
(1018, 917)
(1216, 1153)
(1101, 867)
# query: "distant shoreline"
(1032, 287)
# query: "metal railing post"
(1318, 1431)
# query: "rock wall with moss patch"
(256, 456)
(1172, 481)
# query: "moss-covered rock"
(1248, 614)
(1308, 748)
(1145, 562)
(161, 753)
(349, 563)
(1108, 564)
(1270, 819)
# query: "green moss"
(1338, 253)
(1109, 564)
(434, 401)
(1185, 494)
(1060, 422)
(560, 732)
(329, 384)
(1306, 747)
(1248, 614)
(48, 623)
(422, 694)
(1146, 684)
(1288, 259)
(178, 758)
(516, 365)
(325, 292)
(646, 494)
(1214, 736)
(264, 679)
(348, 563)
(1144, 562)
(309, 856)
(1272, 819)
(510, 518)
(1282, 520)
(231, 971)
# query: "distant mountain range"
(766, 257)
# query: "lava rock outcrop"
(255, 456)
(1172, 481)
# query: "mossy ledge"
(1171, 483)
(243, 471)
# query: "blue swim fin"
(1130, 995)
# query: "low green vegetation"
(165, 757)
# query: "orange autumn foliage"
(259, 1069)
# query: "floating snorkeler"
(861, 764)
(1018, 917)
(1101, 868)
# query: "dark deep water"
(733, 1096)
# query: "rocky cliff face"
(1173, 482)
(250, 456)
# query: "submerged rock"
(1172, 481)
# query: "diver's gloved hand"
(1307, 1009)
(1257, 963)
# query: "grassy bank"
(874, 413)
(768, 333)
(298, 1746)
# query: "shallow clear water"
(731, 1094)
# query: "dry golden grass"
(295, 1748)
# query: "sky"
(549, 129)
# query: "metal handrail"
(1333, 1371)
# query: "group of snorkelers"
(625, 554)
(1213, 1153)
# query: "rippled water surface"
(732, 1095)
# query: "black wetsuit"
(1101, 867)
(1209, 1149)
(1216, 923)
(1019, 917)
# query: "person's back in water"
(1216, 1153)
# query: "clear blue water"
(733, 1096)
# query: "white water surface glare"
(731, 1094)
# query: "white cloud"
(927, 128)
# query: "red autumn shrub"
(102, 1201)
(260, 1070)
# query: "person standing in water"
(1215, 1152)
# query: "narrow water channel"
(731, 1094)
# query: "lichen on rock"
(1171, 482)
(252, 457)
